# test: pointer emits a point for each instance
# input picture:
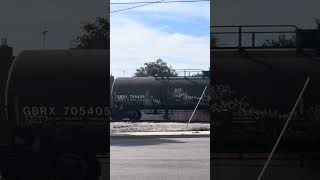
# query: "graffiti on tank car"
(183, 95)
(156, 101)
(225, 99)
(313, 112)
(222, 91)
(179, 93)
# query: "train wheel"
(116, 115)
(74, 166)
(134, 115)
(139, 115)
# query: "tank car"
(132, 95)
(57, 108)
(253, 94)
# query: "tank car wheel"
(134, 115)
(139, 115)
(116, 115)
(75, 166)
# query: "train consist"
(157, 95)
(57, 115)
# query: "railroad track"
(158, 121)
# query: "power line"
(135, 6)
(152, 2)
(144, 2)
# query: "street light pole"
(44, 37)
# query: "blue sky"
(176, 32)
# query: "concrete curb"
(167, 134)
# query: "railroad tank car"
(6, 57)
(252, 96)
(131, 95)
(58, 105)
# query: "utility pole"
(44, 37)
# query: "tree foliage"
(197, 75)
(282, 41)
(214, 41)
(317, 21)
(156, 68)
(95, 35)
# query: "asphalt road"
(160, 158)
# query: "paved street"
(160, 158)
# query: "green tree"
(214, 41)
(317, 21)
(282, 41)
(95, 35)
(197, 75)
(156, 68)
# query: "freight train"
(55, 110)
(130, 96)
(55, 117)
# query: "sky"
(262, 12)
(296, 12)
(178, 33)
(22, 22)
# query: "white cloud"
(133, 44)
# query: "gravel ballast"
(120, 127)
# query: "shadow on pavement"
(141, 141)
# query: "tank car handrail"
(240, 31)
(267, 25)
(188, 71)
(179, 77)
(250, 32)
